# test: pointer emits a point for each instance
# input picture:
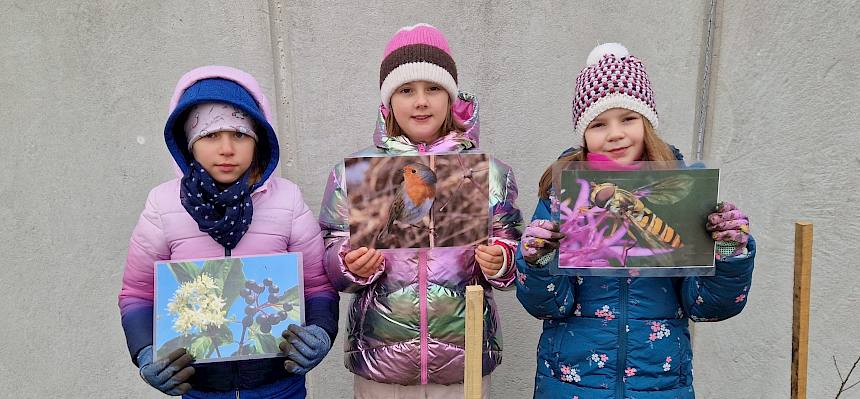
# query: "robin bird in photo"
(413, 198)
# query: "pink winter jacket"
(282, 222)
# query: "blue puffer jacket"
(617, 338)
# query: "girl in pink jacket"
(406, 324)
(225, 202)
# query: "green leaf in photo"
(182, 341)
(217, 269)
(263, 342)
(234, 281)
(221, 335)
(228, 275)
(270, 344)
(291, 295)
(184, 271)
(201, 348)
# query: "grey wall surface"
(784, 125)
(85, 88)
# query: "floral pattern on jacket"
(624, 337)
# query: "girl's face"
(617, 133)
(225, 155)
(420, 108)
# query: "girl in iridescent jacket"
(617, 338)
(406, 325)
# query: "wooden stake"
(800, 319)
(474, 341)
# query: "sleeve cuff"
(508, 256)
(504, 268)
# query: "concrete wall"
(85, 87)
(784, 126)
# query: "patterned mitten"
(730, 228)
(539, 242)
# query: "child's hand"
(730, 228)
(490, 258)
(540, 239)
(363, 262)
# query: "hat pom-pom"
(616, 49)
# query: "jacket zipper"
(237, 395)
(422, 295)
(622, 340)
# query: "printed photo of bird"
(413, 198)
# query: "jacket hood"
(464, 109)
(227, 85)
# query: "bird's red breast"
(418, 190)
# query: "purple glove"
(539, 241)
(730, 228)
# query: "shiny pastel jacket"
(406, 322)
(617, 338)
(282, 222)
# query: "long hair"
(262, 149)
(256, 170)
(451, 124)
(655, 150)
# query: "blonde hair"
(451, 124)
(655, 150)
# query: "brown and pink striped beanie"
(418, 52)
(612, 79)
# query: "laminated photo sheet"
(227, 309)
(421, 201)
(647, 222)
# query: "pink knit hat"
(418, 52)
(612, 79)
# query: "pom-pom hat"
(612, 79)
(418, 52)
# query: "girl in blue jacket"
(623, 337)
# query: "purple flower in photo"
(595, 237)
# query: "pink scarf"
(602, 162)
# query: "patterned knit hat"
(211, 117)
(612, 79)
(418, 52)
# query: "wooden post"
(474, 341)
(800, 319)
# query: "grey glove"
(305, 347)
(167, 375)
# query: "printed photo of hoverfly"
(648, 222)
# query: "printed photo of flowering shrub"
(227, 309)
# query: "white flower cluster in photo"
(197, 304)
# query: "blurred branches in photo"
(460, 211)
